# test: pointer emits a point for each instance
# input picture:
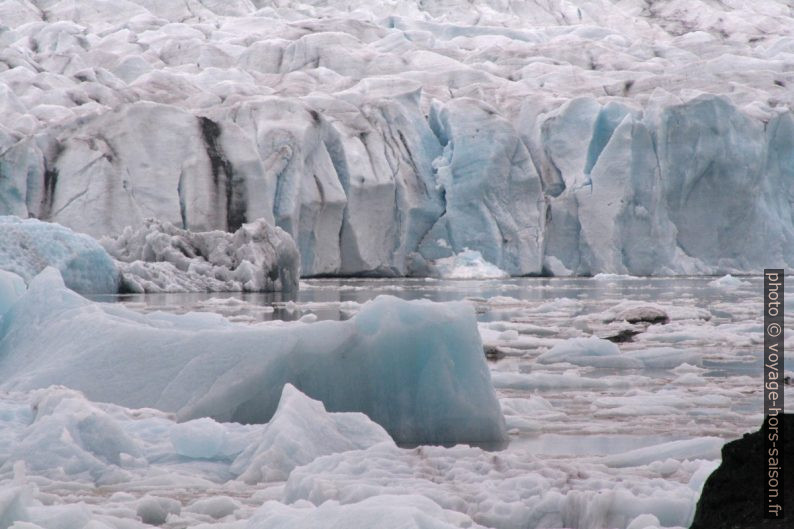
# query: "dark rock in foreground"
(734, 495)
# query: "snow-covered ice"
(571, 137)
(159, 257)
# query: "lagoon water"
(711, 386)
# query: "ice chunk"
(728, 282)
(700, 448)
(416, 368)
(199, 439)
(596, 352)
(28, 246)
(404, 511)
(154, 510)
(552, 381)
(576, 348)
(215, 506)
(72, 436)
(468, 264)
(159, 257)
(644, 521)
(299, 432)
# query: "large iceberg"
(416, 368)
(159, 257)
(566, 137)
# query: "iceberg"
(159, 257)
(300, 432)
(468, 264)
(416, 368)
(28, 246)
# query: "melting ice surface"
(602, 434)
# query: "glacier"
(416, 368)
(564, 137)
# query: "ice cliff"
(572, 137)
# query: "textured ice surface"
(468, 264)
(299, 432)
(28, 246)
(577, 136)
(77, 462)
(403, 511)
(416, 368)
(499, 490)
(159, 257)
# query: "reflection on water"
(594, 292)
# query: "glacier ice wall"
(571, 137)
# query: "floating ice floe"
(160, 257)
(596, 352)
(416, 368)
